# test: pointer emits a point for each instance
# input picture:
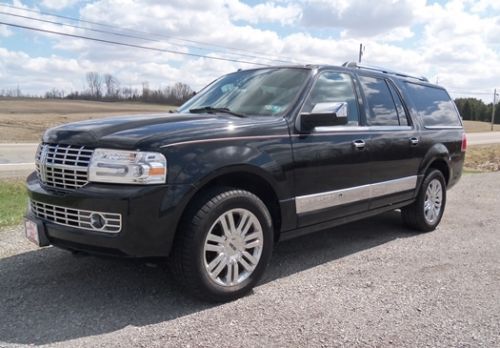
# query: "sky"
(455, 43)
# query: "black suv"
(257, 156)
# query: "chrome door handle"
(414, 141)
(359, 144)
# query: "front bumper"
(149, 217)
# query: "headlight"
(127, 167)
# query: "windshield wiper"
(212, 110)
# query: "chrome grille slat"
(76, 217)
(63, 166)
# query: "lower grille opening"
(77, 218)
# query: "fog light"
(97, 221)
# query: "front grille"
(84, 219)
(63, 166)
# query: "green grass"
(13, 202)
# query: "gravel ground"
(370, 283)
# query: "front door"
(331, 164)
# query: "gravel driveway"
(370, 283)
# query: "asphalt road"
(17, 160)
(367, 284)
(483, 138)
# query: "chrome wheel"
(433, 201)
(233, 247)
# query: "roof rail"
(383, 70)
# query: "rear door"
(394, 142)
(330, 171)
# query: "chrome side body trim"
(443, 127)
(334, 129)
(317, 201)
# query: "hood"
(149, 131)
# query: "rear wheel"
(426, 212)
(224, 245)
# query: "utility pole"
(493, 109)
(361, 51)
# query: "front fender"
(269, 159)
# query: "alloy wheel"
(233, 247)
(433, 201)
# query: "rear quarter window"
(433, 105)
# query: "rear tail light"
(464, 142)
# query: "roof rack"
(383, 70)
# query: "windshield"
(262, 92)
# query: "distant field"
(478, 126)
(24, 120)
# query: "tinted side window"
(403, 117)
(433, 105)
(382, 109)
(331, 87)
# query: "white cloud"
(267, 12)
(357, 18)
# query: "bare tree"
(182, 92)
(54, 93)
(112, 86)
(94, 80)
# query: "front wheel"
(224, 245)
(426, 212)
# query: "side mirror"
(324, 114)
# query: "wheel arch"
(245, 177)
(438, 157)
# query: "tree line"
(106, 87)
(476, 110)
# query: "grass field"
(13, 202)
(24, 120)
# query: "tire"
(209, 250)
(423, 214)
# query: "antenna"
(361, 52)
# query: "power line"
(132, 36)
(265, 55)
(128, 44)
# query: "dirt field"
(26, 119)
(478, 126)
(483, 158)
